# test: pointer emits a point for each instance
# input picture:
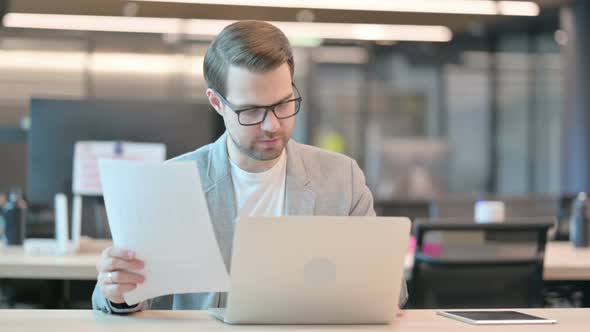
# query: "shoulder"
(320, 163)
(201, 158)
(336, 179)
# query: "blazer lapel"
(300, 198)
(219, 193)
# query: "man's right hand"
(114, 273)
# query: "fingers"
(114, 291)
(114, 258)
(118, 253)
(121, 277)
(114, 264)
(115, 274)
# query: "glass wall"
(422, 119)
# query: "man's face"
(264, 141)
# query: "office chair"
(496, 265)
(562, 231)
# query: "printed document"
(159, 211)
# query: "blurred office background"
(490, 101)
(481, 112)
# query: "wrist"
(122, 305)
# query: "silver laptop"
(316, 270)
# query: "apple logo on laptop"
(319, 272)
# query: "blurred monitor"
(412, 168)
(57, 124)
(13, 149)
(3, 9)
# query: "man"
(254, 168)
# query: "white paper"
(85, 177)
(159, 211)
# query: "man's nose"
(271, 123)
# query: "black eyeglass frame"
(268, 108)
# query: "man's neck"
(247, 163)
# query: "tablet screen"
(494, 317)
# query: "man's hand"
(114, 275)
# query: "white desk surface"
(562, 262)
(569, 320)
(14, 263)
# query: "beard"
(257, 152)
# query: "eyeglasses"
(252, 116)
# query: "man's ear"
(215, 101)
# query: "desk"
(14, 264)
(562, 262)
(569, 320)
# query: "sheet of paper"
(159, 211)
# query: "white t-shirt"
(263, 193)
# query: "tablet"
(483, 317)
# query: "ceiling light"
(210, 28)
(475, 7)
(518, 8)
(92, 23)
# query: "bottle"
(15, 214)
(579, 221)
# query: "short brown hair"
(256, 45)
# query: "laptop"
(316, 270)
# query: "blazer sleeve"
(362, 199)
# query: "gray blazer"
(318, 183)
